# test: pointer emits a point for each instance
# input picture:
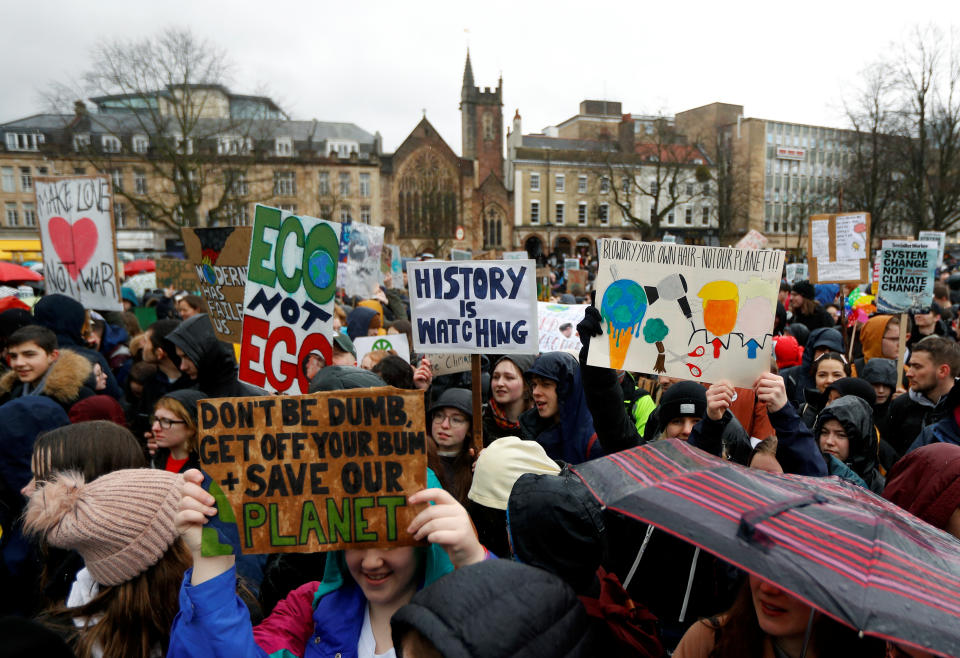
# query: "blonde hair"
(176, 407)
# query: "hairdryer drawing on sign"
(673, 287)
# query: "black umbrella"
(833, 545)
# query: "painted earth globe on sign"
(321, 268)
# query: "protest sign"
(77, 238)
(395, 342)
(288, 301)
(557, 326)
(460, 254)
(796, 272)
(704, 313)
(577, 282)
(907, 274)
(469, 307)
(177, 274)
(940, 237)
(318, 472)
(448, 364)
(361, 276)
(754, 239)
(543, 283)
(218, 257)
(515, 255)
(571, 264)
(838, 248)
(396, 266)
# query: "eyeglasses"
(166, 423)
(456, 420)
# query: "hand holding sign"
(446, 523)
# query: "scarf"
(500, 418)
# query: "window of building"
(689, 189)
(234, 145)
(120, 214)
(654, 187)
(582, 184)
(560, 183)
(535, 182)
(604, 185)
(283, 146)
(139, 181)
(558, 213)
(110, 144)
(13, 217)
(326, 212)
(365, 214)
(284, 183)
(625, 185)
(344, 184)
(345, 214)
(603, 214)
(238, 184)
(534, 212)
(24, 141)
(323, 183)
(670, 219)
(183, 145)
(141, 143)
(688, 216)
(364, 185)
(29, 215)
(142, 220)
(705, 215)
(116, 179)
(239, 214)
(42, 171)
(706, 188)
(289, 207)
(26, 179)
(9, 181)
(653, 214)
(79, 171)
(582, 213)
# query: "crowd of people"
(102, 507)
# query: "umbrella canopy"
(138, 266)
(14, 272)
(141, 283)
(835, 546)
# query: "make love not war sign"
(76, 234)
(288, 301)
(468, 307)
(322, 472)
(699, 313)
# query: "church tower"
(481, 125)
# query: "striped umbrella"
(837, 547)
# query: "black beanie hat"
(682, 399)
(804, 288)
(189, 398)
(456, 398)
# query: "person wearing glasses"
(451, 451)
(172, 439)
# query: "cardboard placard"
(75, 214)
(577, 283)
(318, 472)
(838, 248)
(288, 301)
(515, 255)
(395, 342)
(177, 274)
(907, 274)
(754, 239)
(940, 237)
(697, 313)
(461, 254)
(448, 364)
(473, 307)
(796, 272)
(557, 326)
(571, 264)
(219, 259)
(361, 275)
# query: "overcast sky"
(380, 64)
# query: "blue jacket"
(944, 431)
(797, 449)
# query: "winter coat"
(856, 418)
(216, 365)
(940, 422)
(798, 378)
(871, 340)
(65, 316)
(909, 414)
(570, 435)
(358, 322)
(797, 449)
(500, 608)
(318, 619)
(926, 483)
(66, 381)
(818, 319)
(723, 438)
(882, 371)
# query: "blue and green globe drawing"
(321, 268)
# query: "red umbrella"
(138, 266)
(14, 272)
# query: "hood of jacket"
(113, 335)
(822, 337)
(339, 378)
(216, 365)
(926, 483)
(65, 380)
(568, 436)
(546, 511)
(871, 336)
(64, 316)
(358, 322)
(22, 420)
(826, 293)
(880, 370)
(856, 418)
(498, 608)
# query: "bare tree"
(160, 88)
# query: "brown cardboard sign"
(838, 248)
(219, 257)
(577, 282)
(177, 274)
(321, 472)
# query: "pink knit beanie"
(121, 523)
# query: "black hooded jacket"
(798, 378)
(65, 316)
(216, 365)
(856, 417)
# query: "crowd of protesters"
(102, 508)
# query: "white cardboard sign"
(395, 342)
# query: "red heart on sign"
(74, 244)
